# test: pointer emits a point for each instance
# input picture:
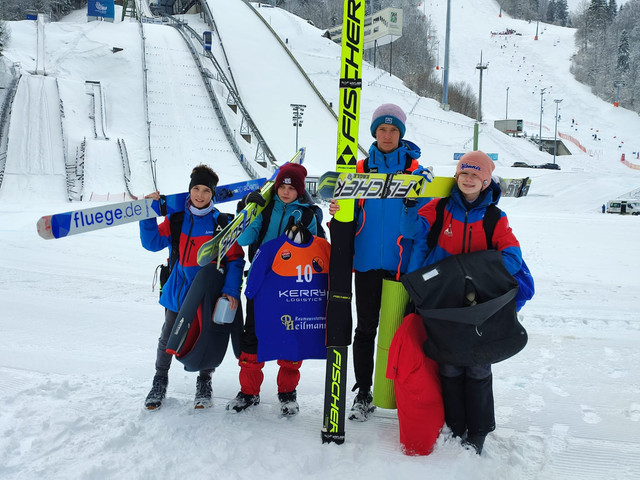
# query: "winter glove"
(425, 172)
(297, 232)
(251, 197)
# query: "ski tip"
(44, 227)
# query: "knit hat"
(478, 162)
(390, 114)
(203, 175)
(292, 174)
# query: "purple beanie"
(390, 114)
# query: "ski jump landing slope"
(269, 82)
(185, 130)
(35, 154)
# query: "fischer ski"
(64, 224)
(342, 228)
(219, 245)
(381, 185)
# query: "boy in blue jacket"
(380, 251)
(198, 226)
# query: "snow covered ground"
(79, 321)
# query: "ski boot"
(288, 403)
(362, 406)
(243, 401)
(203, 393)
(157, 393)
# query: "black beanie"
(201, 176)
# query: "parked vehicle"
(550, 166)
(624, 207)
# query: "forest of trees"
(16, 9)
(547, 11)
(607, 41)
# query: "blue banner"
(101, 8)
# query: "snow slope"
(79, 321)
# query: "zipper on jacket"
(464, 232)
(188, 244)
(469, 242)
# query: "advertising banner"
(100, 9)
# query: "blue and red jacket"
(196, 230)
(378, 244)
(462, 230)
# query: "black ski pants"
(368, 299)
(467, 393)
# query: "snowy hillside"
(79, 321)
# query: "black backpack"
(310, 212)
(175, 226)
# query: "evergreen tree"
(4, 35)
(623, 52)
(551, 12)
(562, 12)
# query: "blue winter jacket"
(378, 243)
(196, 230)
(277, 224)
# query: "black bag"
(196, 341)
(467, 304)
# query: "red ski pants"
(251, 375)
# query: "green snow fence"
(394, 302)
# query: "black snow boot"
(203, 393)
(480, 411)
(243, 401)
(453, 393)
(362, 406)
(288, 403)
(157, 393)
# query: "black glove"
(410, 202)
(251, 197)
(297, 232)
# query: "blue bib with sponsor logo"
(288, 283)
